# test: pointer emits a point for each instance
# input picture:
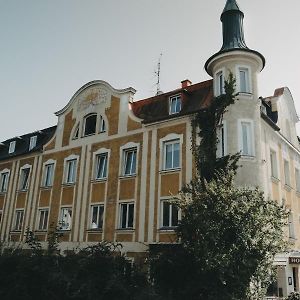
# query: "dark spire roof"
(233, 31)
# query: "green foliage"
(206, 124)
(294, 296)
(95, 272)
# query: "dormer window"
(12, 147)
(175, 104)
(32, 142)
(90, 124)
(102, 124)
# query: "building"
(108, 169)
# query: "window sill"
(23, 191)
(292, 240)
(169, 170)
(127, 176)
(68, 183)
(40, 231)
(3, 193)
(15, 231)
(94, 230)
(95, 180)
(87, 135)
(43, 187)
(246, 94)
(168, 229)
(64, 230)
(125, 229)
(247, 157)
(275, 179)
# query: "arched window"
(90, 124)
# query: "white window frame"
(103, 167)
(273, 164)
(84, 124)
(176, 98)
(248, 82)
(67, 161)
(18, 221)
(43, 218)
(219, 82)
(222, 139)
(169, 138)
(46, 182)
(127, 204)
(250, 138)
(12, 147)
(291, 226)
(169, 201)
(65, 225)
(23, 187)
(32, 142)
(173, 166)
(4, 179)
(287, 175)
(95, 225)
(125, 148)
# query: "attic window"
(12, 147)
(32, 142)
(90, 125)
(175, 104)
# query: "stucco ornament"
(92, 97)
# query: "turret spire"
(233, 33)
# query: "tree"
(229, 235)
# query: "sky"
(50, 48)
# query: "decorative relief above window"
(92, 97)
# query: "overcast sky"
(50, 48)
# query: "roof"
(23, 142)
(194, 98)
(231, 5)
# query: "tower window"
(246, 139)
(219, 84)
(90, 124)
(244, 80)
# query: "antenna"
(157, 73)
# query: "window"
(102, 125)
(32, 142)
(43, 219)
(97, 217)
(76, 133)
(19, 216)
(48, 174)
(221, 146)
(65, 221)
(3, 182)
(71, 171)
(0, 216)
(171, 155)
(126, 215)
(175, 104)
(291, 227)
(90, 124)
(219, 84)
(129, 162)
(101, 166)
(12, 147)
(297, 178)
(287, 179)
(244, 80)
(169, 214)
(273, 159)
(24, 178)
(247, 143)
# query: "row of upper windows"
(32, 144)
(243, 81)
(171, 160)
(169, 219)
(286, 171)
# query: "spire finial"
(231, 5)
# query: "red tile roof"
(194, 98)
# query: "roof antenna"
(157, 73)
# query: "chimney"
(185, 83)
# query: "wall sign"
(294, 260)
